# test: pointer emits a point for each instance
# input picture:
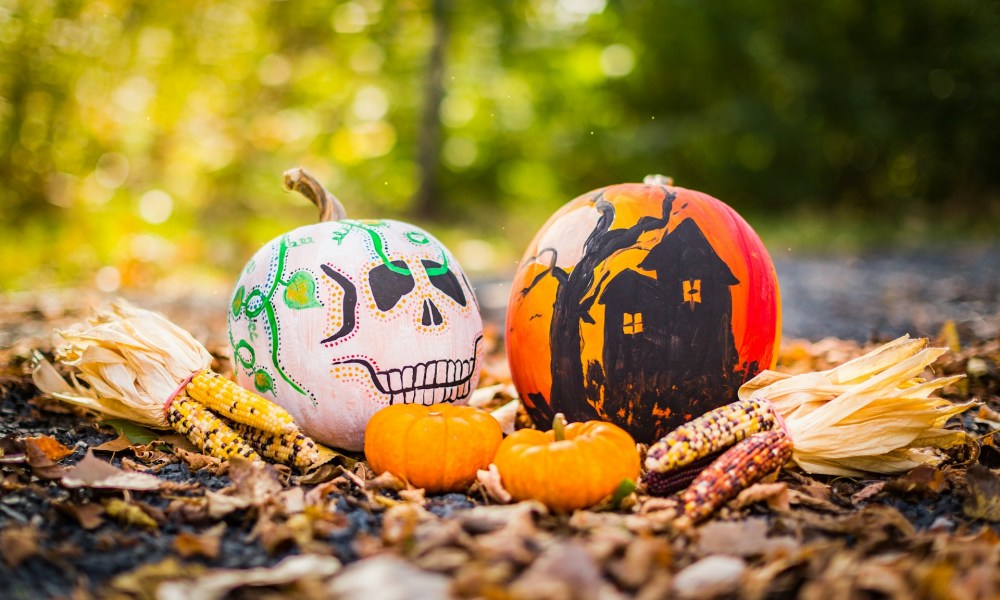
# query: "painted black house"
(668, 341)
(632, 302)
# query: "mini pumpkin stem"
(559, 427)
(299, 180)
(658, 179)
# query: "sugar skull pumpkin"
(641, 304)
(338, 319)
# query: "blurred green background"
(142, 142)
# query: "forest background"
(142, 143)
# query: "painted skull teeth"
(427, 382)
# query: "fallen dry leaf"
(506, 415)
(205, 544)
(151, 454)
(492, 486)
(415, 495)
(217, 584)
(386, 578)
(869, 491)
(924, 480)
(174, 487)
(484, 519)
(885, 577)
(92, 472)
(400, 521)
(133, 466)
(88, 516)
(872, 525)
(710, 577)
(197, 461)
(144, 581)
(292, 500)
(446, 559)
(50, 446)
(746, 538)
(775, 495)
(118, 444)
(18, 543)
(984, 493)
(385, 481)
(41, 464)
(808, 486)
(219, 504)
(12, 450)
(643, 557)
(256, 481)
(563, 570)
(321, 474)
(129, 514)
(178, 441)
(193, 511)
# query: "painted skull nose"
(431, 315)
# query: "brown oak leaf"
(984, 493)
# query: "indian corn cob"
(230, 400)
(737, 468)
(676, 458)
(206, 430)
(873, 414)
(294, 448)
(140, 366)
(664, 483)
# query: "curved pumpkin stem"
(559, 427)
(658, 180)
(299, 180)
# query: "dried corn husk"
(871, 414)
(131, 359)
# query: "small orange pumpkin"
(572, 466)
(438, 448)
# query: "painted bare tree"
(575, 295)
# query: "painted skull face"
(336, 320)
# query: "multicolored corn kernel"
(708, 434)
(243, 406)
(665, 483)
(206, 430)
(737, 468)
(294, 449)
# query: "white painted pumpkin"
(336, 320)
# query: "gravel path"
(889, 294)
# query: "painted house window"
(632, 323)
(692, 291)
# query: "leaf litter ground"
(106, 510)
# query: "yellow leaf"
(129, 515)
(984, 493)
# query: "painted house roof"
(685, 253)
(631, 288)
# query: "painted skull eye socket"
(446, 282)
(348, 307)
(390, 285)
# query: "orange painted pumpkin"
(438, 447)
(572, 466)
(641, 304)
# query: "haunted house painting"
(669, 352)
